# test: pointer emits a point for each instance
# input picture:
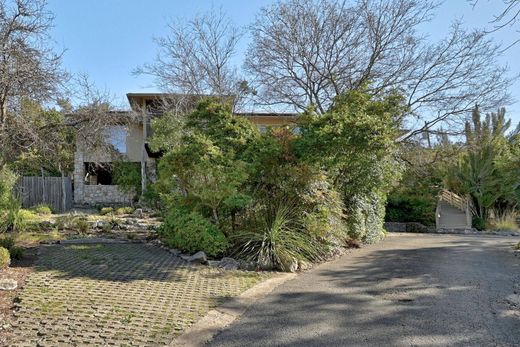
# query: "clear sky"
(107, 39)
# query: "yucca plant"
(276, 240)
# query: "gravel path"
(409, 290)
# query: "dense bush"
(410, 208)
(127, 175)
(9, 206)
(7, 242)
(221, 178)
(191, 232)
(17, 252)
(106, 210)
(42, 209)
(124, 210)
(275, 240)
(5, 258)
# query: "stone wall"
(105, 194)
(85, 194)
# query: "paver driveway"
(117, 294)
(409, 290)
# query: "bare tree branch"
(306, 52)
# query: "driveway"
(409, 290)
(117, 294)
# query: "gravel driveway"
(409, 290)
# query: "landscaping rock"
(304, 265)
(290, 265)
(229, 264)
(214, 263)
(199, 257)
(138, 213)
(8, 284)
(247, 265)
(174, 251)
(102, 224)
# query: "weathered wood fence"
(53, 191)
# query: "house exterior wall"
(85, 194)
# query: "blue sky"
(107, 39)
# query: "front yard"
(118, 293)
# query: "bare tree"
(508, 16)
(195, 57)
(307, 52)
(29, 68)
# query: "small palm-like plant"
(276, 241)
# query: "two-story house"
(93, 183)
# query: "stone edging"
(219, 318)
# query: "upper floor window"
(116, 136)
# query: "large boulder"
(229, 264)
(138, 213)
(199, 257)
(8, 284)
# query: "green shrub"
(405, 208)
(9, 205)
(276, 241)
(7, 242)
(42, 209)
(17, 252)
(478, 223)
(82, 225)
(191, 232)
(106, 210)
(124, 210)
(505, 223)
(127, 175)
(5, 258)
(365, 217)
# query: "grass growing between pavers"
(118, 294)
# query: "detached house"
(93, 182)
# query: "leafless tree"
(508, 16)
(307, 52)
(29, 68)
(195, 57)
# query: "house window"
(98, 173)
(116, 137)
(262, 128)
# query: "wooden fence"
(53, 191)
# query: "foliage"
(81, 225)
(411, 208)
(489, 170)
(205, 171)
(42, 209)
(127, 175)
(223, 173)
(9, 206)
(5, 258)
(191, 232)
(365, 217)
(478, 223)
(124, 210)
(106, 210)
(505, 223)
(276, 241)
(7, 242)
(17, 253)
(355, 143)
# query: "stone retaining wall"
(105, 194)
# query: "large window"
(116, 137)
